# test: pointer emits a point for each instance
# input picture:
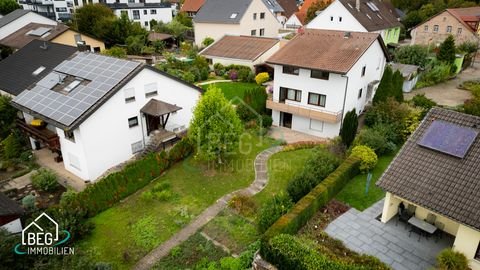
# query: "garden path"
(210, 82)
(261, 179)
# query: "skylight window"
(368, 16)
(38, 71)
(72, 85)
(372, 6)
(234, 15)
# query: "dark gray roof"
(220, 11)
(16, 71)
(157, 107)
(138, 5)
(383, 17)
(12, 16)
(8, 207)
(99, 76)
(436, 181)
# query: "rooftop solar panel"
(448, 138)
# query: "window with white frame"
(136, 14)
(153, 11)
(150, 90)
(364, 69)
(340, 19)
(293, 94)
(425, 28)
(291, 70)
(262, 32)
(254, 16)
(317, 99)
(253, 32)
(449, 29)
(145, 12)
(319, 74)
(132, 121)
(331, 18)
(129, 95)
(262, 15)
(316, 125)
(435, 28)
(360, 93)
(459, 31)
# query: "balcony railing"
(316, 114)
(44, 135)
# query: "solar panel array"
(103, 72)
(448, 138)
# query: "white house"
(19, 18)
(218, 18)
(322, 74)
(100, 111)
(143, 12)
(241, 50)
(361, 16)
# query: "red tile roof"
(240, 47)
(468, 16)
(192, 5)
(325, 50)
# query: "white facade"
(30, 17)
(293, 22)
(43, 7)
(144, 15)
(105, 138)
(14, 226)
(267, 27)
(342, 93)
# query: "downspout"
(142, 116)
(344, 100)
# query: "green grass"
(232, 89)
(232, 230)
(353, 193)
(190, 253)
(282, 167)
(125, 233)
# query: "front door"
(153, 123)
(286, 120)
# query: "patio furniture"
(421, 227)
(402, 215)
(431, 218)
(439, 232)
(411, 209)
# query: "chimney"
(357, 5)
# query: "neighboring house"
(241, 50)
(42, 7)
(409, 74)
(322, 74)
(10, 213)
(360, 16)
(191, 7)
(462, 23)
(437, 171)
(17, 19)
(298, 19)
(100, 111)
(30, 64)
(143, 13)
(218, 18)
(59, 33)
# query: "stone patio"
(364, 233)
(291, 136)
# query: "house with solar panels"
(436, 174)
(93, 111)
(374, 16)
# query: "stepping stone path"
(261, 179)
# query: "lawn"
(232, 89)
(281, 168)
(353, 193)
(125, 233)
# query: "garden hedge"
(118, 185)
(301, 212)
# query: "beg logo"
(38, 240)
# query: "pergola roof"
(157, 107)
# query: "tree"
(317, 6)
(383, 90)
(135, 44)
(446, 53)
(412, 55)
(7, 6)
(215, 127)
(349, 127)
(207, 41)
(93, 19)
(397, 86)
(8, 114)
(367, 156)
(116, 52)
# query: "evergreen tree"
(397, 89)
(446, 52)
(385, 86)
(349, 128)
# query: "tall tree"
(349, 127)
(385, 86)
(215, 127)
(446, 53)
(7, 6)
(8, 115)
(93, 19)
(397, 86)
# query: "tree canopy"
(349, 127)
(446, 52)
(390, 85)
(7, 6)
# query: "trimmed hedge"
(310, 203)
(116, 186)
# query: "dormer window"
(38, 71)
(234, 15)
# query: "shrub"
(449, 259)
(244, 261)
(412, 55)
(420, 100)
(317, 167)
(446, 52)
(244, 205)
(376, 140)
(244, 74)
(233, 75)
(261, 78)
(74, 220)
(188, 77)
(468, 47)
(272, 210)
(368, 158)
(440, 72)
(349, 127)
(11, 147)
(28, 202)
(67, 197)
(301, 145)
(267, 121)
(44, 179)
(304, 209)
(207, 41)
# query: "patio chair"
(411, 209)
(431, 218)
(417, 231)
(439, 232)
(402, 215)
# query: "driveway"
(391, 243)
(447, 93)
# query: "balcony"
(44, 135)
(304, 111)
